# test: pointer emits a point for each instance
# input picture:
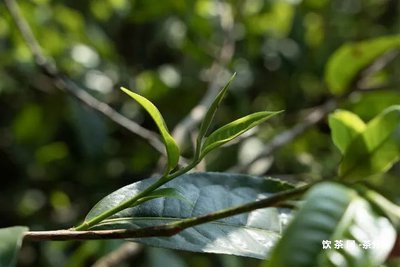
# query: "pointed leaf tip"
(212, 110)
(169, 142)
(233, 129)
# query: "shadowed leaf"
(251, 234)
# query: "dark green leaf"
(170, 144)
(163, 192)
(232, 130)
(375, 149)
(205, 124)
(249, 234)
(344, 125)
(344, 65)
(10, 243)
(334, 212)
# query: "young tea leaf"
(232, 130)
(170, 144)
(375, 149)
(211, 113)
(346, 62)
(335, 227)
(10, 243)
(344, 125)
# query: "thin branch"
(313, 117)
(225, 55)
(67, 85)
(126, 252)
(169, 229)
(393, 85)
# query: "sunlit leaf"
(391, 210)
(10, 243)
(344, 125)
(205, 124)
(232, 130)
(170, 144)
(375, 149)
(249, 234)
(333, 212)
(346, 63)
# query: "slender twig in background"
(394, 85)
(166, 229)
(313, 117)
(318, 113)
(195, 116)
(67, 85)
(124, 253)
(378, 65)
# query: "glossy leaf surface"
(251, 234)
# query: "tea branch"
(169, 229)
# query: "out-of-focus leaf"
(233, 129)
(391, 210)
(251, 234)
(170, 144)
(205, 124)
(375, 149)
(344, 65)
(333, 213)
(344, 125)
(10, 243)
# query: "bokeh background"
(58, 157)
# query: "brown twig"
(166, 229)
(313, 117)
(318, 113)
(67, 85)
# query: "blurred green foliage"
(58, 158)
